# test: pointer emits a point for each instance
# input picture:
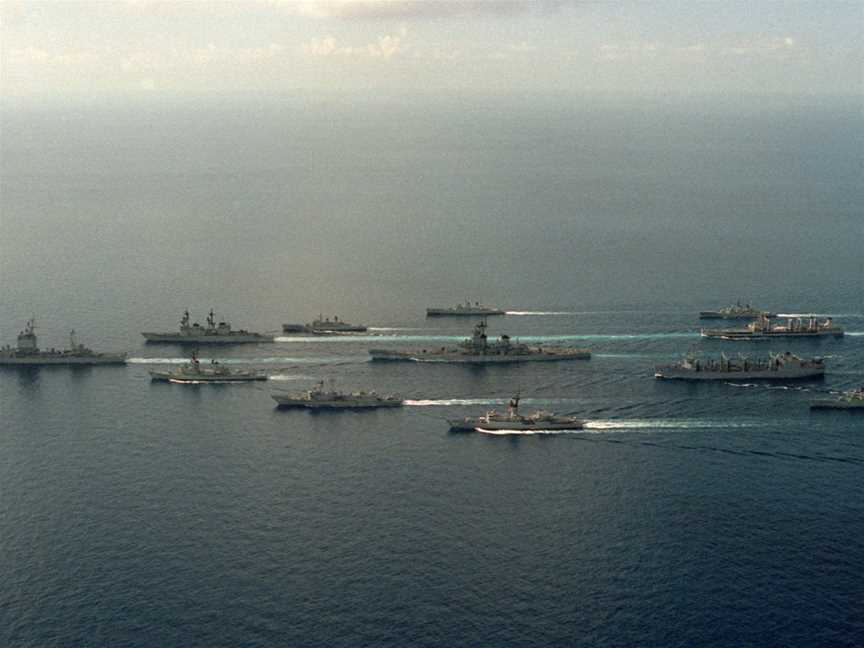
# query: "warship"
(763, 328)
(325, 326)
(736, 311)
(853, 399)
(784, 366)
(212, 333)
(193, 372)
(320, 398)
(479, 350)
(513, 420)
(27, 352)
(465, 310)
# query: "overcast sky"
(64, 48)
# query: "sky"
(63, 49)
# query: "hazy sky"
(65, 49)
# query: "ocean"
(144, 514)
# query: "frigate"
(464, 310)
(765, 328)
(325, 326)
(853, 399)
(479, 350)
(785, 366)
(194, 372)
(212, 333)
(736, 311)
(321, 398)
(513, 420)
(27, 352)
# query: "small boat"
(513, 420)
(320, 398)
(194, 372)
(853, 399)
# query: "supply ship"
(764, 327)
(784, 366)
(27, 352)
(464, 310)
(479, 350)
(212, 333)
(513, 420)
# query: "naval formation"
(477, 349)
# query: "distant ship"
(853, 399)
(467, 309)
(27, 352)
(784, 366)
(478, 350)
(320, 398)
(736, 311)
(325, 326)
(193, 372)
(795, 327)
(213, 333)
(513, 420)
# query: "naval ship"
(513, 420)
(320, 398)
(467, 309)
(325, 326)
(479, 350)
(212, 333)
(853, 400)
(784, 366)
(763, 328)
(193, 372)
(736, 311)
(27, 352)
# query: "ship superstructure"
(853, 399)
(785, 366)
(478, 349)
(211, 333)
(27, 352)
(325, 326)
(736, 311)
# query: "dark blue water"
(139, 514)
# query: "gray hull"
(742, 334)
(837, 404)
(671, 373)
(478, 312)
(67, 361)
(460, 358)
(732, 316)
(177, 338)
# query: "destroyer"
(27, 352)
(784, 366)
(763, 327)
(325, 326)
(737, 311)
(467, 309)
(853, 399)
(513, 420)
(193, 372)
(479, 350)
(320, 398)
(212, 333)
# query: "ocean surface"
(144, 514)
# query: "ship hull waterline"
(494, 426)
(170, 338)
(766, 376)
(378, 356)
